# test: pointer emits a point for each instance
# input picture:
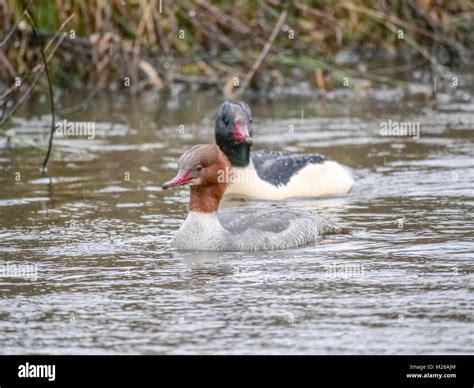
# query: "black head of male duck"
(234, 132)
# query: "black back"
(277, 167)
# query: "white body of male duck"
(236, 229)
(273, 175)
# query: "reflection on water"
(97, 232)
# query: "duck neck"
(238, 155)
(206, 199)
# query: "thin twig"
(50, 88)
(95, 91)
(10, 33)
(225, 19)
(59, 30)
(262, 55)
(22, 99)
(4, 106)
(25, 95)
(8, 94)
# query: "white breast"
(314, 180)
(200, 231)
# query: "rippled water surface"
(93, 237)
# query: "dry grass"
(210, 43)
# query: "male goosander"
(273, 175)
(205, 169)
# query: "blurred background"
(202, 44)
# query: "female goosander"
(273, 175)
(205, 168)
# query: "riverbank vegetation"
(227, 45)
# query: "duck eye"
(198, 168)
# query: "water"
(101, 278)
